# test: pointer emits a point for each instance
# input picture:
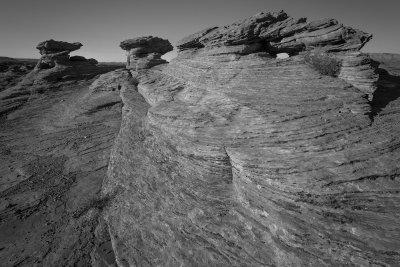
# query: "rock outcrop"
(279, 33)
(360, 70)
(54, 69)
(55, 52)
(56, 63)
(228, 156)
(145, 52)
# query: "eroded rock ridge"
(228, 156)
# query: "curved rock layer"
(240, 159)
(54, 153)
(279, 33)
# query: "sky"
(100, 25)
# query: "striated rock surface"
(360, 70)
(54, 154)
(228, 156)
(279, 33)
(145, 52)
(55, 52)
(54, 69)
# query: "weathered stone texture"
(280, 33)
(228, 158)
(360, 70)
(145, 52)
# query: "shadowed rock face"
(145, 52)
(228, 156)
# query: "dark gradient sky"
(101, 24)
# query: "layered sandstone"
(277, 32)
(145, 52)
(54, 154)
(54, 69)
(228, 156)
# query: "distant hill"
(389, 62)
(7, 59)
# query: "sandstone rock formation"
(145, 52)
(55, 52)
(228, 156)
(360, 70)
(54, 153)
(278, 33)
(56, 63)
(54, 69)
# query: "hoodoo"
(145, 52)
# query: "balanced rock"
(56, 64)
(55, 52)
(53, 47)
(145, 52)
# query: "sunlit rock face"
(56, 64)
(54, 69)
(145, 52)
(228, 156)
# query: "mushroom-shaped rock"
(147, 44)
(145, 52)
(55, 52)
(56, 64)
(52, 47)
